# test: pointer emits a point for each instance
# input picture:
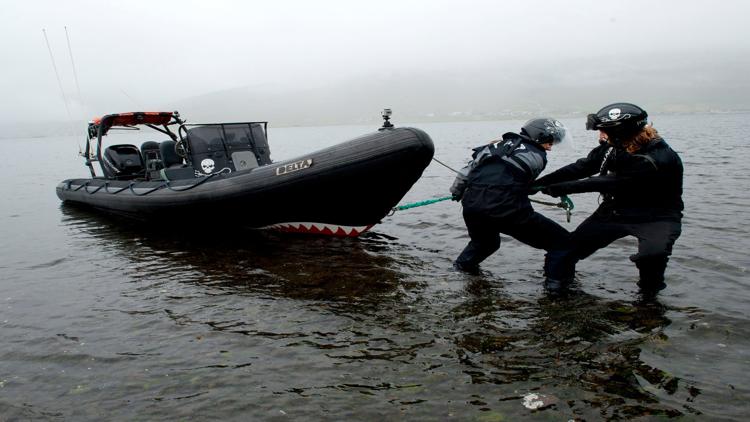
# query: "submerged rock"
(535, 401)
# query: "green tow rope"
(419, 204)
(565, 203)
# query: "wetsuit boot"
(559, 271)
(485, 240)
(651, 271)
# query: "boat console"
(232, 146)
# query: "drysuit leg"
(655, 241)
(538, 232)
(596, 232)
(485, 240)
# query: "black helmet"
(618, 119)
(544, 131)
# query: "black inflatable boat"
(218, 173)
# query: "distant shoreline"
(50, 129)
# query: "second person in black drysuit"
(640, 179)
(494, 192)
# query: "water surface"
(105, 319)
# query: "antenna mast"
(73, 64)
(57, 75)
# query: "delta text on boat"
(219, 173)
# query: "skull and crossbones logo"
(208, 165)
(614, 114)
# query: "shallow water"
(103, 319)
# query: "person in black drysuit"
(495, 199)
(640, 179)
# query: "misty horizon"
(294, 63)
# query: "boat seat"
(151, 156)
(122, 162)
(169, 157)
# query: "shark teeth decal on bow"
(320, 228)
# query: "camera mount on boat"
(386, 119)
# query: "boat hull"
(342, 190)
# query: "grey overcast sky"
(149, 54)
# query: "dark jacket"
(645, 184)
(498, 185)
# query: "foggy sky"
(149, 55)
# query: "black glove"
(532, 190)
(553, 190)
(456, 197)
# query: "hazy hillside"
(677, 83)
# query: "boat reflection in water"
(243, 260)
